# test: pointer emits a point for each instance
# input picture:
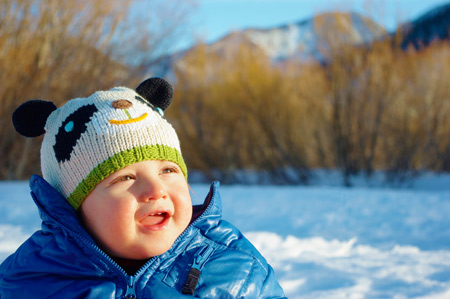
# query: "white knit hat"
(88, 139)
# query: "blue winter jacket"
(210, 259)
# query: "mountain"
(434, 25)
(308, 40)
(301, 41)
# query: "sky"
(213, 19)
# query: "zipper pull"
(201, 257)
(194, 273)
(131, 292)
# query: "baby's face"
(139, 211)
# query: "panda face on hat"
(88, 139)
(122, 106)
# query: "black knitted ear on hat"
(157, 91)
(29, 118)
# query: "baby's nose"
(154, 191)
(122, 104)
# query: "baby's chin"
(149, 253)
(145, 251)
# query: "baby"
(117, 217)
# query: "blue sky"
(213, 19)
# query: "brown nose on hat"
(122, 104)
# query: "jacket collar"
(53, 206)
(206, 217)
(211, 209)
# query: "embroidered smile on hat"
(88, 139)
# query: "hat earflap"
(29, 118)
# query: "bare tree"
(151, 31)
(61, 49)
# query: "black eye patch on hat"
(70, 131)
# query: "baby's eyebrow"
(172, 164)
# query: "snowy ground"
(323, 242)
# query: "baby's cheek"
(186, 215)
(124, 214)
(118, 215)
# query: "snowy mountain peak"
(301, 41)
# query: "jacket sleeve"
(261, 283)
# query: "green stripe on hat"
(121, 160)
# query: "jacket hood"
(54, 207)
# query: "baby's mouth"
(156, 220)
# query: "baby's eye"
(122, 178)
(126, 178)
(169, 170)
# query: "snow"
(323, 241)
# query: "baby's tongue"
(152, 220)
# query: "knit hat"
(88, 139)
